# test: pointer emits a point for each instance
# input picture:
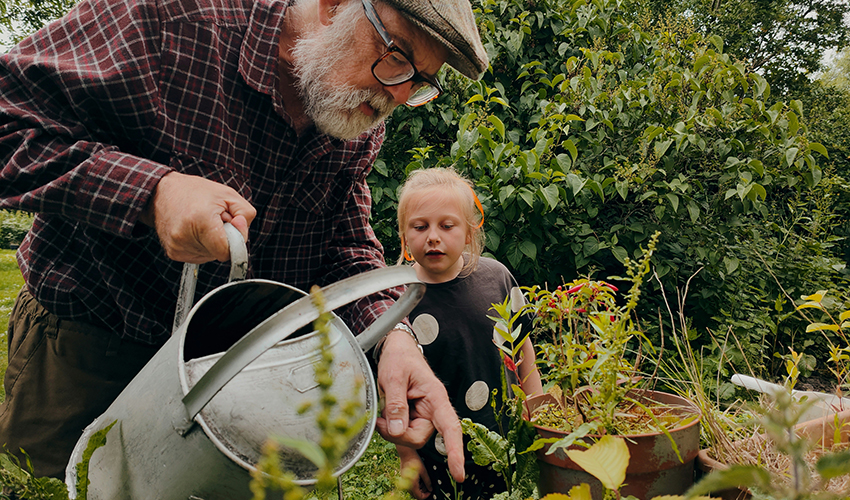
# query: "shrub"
(591, 131)
(13, 227)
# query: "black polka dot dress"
(458, 338)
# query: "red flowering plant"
(588, 359)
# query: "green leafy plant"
(339, 422)
(838, 344)
(795, 481)
(587, 356)
(504, 451)
(21, 482)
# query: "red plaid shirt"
(98, 106)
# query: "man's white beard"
(333, 107)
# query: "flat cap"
(452, 23)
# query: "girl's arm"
(528, 374)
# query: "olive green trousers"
(61, 376)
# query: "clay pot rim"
(805, 427)
(688, 405)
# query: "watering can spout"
(821, 403)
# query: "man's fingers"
(415, 436)
(188, 211)
(240, 223)
(448, 425)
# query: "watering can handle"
(189, 278)
(298, 314)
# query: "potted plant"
(779, 453)
(590, 363)
(809, 460)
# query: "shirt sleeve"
(68, 94)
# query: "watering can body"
(192, 423)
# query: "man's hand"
(189, 212)
(405, 377)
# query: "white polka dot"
(497, 337)
(440, 444)
(426, 328)
(517, 299)
(477, 395)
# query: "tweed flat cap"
(452, 23)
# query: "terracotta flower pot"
(820, 430)
(654, 468)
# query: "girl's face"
(436, 234)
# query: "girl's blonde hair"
(454, 186)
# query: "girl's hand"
(421, 487)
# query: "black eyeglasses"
(395, 68)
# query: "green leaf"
(514, 255)
(606, 460)
(497, 123)
(575, 182)
(793, 124)
(834, 465)
(661, 147)
(790, 155)
(572, 149)
(818, 327)
(674, 201)
(550, 194)
(97, 440)
(731, 264)
(622, 188)
(620, 253)
(504, 193)
(693, 211)
(564, 162)
(487, 447)
(757, 166)
(733, 477)
(499, 100)
(308, 449)
(527, 196)
(475, 98)
(717, 41)
(816, 146)
(529, 249)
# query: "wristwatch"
(376, 354)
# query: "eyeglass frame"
(416, 77)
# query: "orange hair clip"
(477, 204)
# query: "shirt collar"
(259, 52)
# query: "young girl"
(439, 220)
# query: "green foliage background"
(598, 125)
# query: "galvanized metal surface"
(294, 316)
(189, 277)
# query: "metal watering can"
(192, 423)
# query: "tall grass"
(10, 284)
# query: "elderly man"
(135, 127)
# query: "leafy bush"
(593, 130)
(13, 227)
